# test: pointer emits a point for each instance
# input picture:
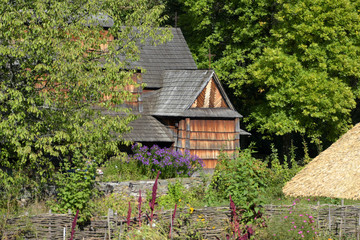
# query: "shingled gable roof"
(174, 54)
(147, 129)
(180, 88)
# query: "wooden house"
(183, 107)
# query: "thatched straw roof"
(334, 173)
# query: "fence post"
(171, 226)
(109, 215)
(341, 223)
(318, 215)
(50, 228)
(344, 217)
(329, 219)
(358, 231)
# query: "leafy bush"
(169, 162)
(176, 195)
(280, 173)
(243, 177)
(75, 188)
(121, 168)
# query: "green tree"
(292, 64)
(58, 67)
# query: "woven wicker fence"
(340, 220)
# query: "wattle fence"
(340, 220)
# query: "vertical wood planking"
(207, 137)
(187, 141)
(237, 129)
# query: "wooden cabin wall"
(205, 137)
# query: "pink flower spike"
(300, 232)
(286, 217)
(310, 216)
(308, 199)
(292, 222)
(300, 215)
(294, 226)
(290, 212)
(307, 231)
(304, 220)
(302, 236)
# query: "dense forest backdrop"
(290, 67)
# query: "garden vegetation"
(293, 68)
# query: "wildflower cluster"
(169, 162)
(296, 225)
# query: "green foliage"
(280, 173)
(297, 223)
(75, 188)
(121, 168)
(117, 202)
(186, 197)
(292, 64)
(145, 232)
(244, 178)
(55, 93)
(10, 188)
(176, 195)
(187, 226)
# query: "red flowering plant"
(238, 230)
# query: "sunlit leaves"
(293, 64)
(58, 67)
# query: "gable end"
(210, 97)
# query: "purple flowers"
(171, 163)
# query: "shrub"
(243, 177)
(75, 188)
(169, 162)
(176, 195)
(121, 168)
(280, 173)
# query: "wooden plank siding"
(210, 97)
(205, 137)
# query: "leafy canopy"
(58, 67)
(292, 64)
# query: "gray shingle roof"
(179, 90)
(211, 113)
(174, 54)
(148, 129)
